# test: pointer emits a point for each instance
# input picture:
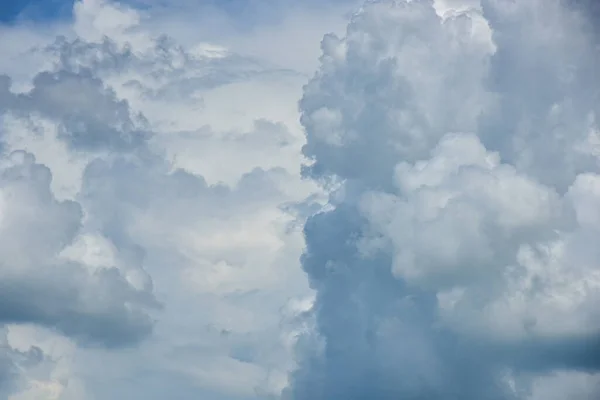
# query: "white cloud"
(183, 160)
(38, 285)
(458, 261)
(151, 198)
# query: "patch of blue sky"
(12, 11)
(244, 12)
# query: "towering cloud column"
(459, 260)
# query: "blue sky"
(38, 10)
(245, 12)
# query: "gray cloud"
(453, 265)
(12, 364)
(209, 251)
(91, 118)
(46, 279)
(40, 286)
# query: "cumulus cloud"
(154, 191)
(41, 365)
(13, 362)
(90, 117)
(458, 259)
(40, 286)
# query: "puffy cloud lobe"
(543, 112)
(377, 332)
(505, 254)
(453, 265)
(398, 98)
(13, 362)
(40, 364)
(90, 116)
(461, 213)
(39, 284)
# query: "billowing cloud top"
(157, 168)
(459, 260)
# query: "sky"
(40, 10)
(282, 200)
